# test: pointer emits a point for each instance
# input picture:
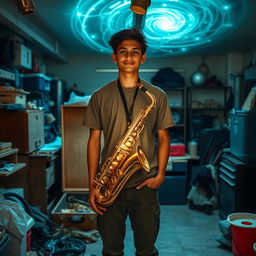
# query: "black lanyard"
(128, 114)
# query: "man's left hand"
(153, 183)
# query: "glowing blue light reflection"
(171, 27)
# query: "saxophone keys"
(124, 147)
(104, 180)
(131, 139)
(134, 134)
(128, 144)
(114, 164)
(119, 157)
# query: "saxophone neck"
(151, 96)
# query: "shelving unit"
(11, 157)
(178, 104)
(204, 105)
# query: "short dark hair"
(128, 34)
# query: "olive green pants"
(142, 206)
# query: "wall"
(81, 69)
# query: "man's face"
(128, 56)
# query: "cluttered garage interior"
(54, 55)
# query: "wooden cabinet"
(18, 176)
(24, 128)
(44, 178)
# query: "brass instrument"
(119, 167)
(26, 6)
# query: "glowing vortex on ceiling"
(171, 27)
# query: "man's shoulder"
(105, 89)
(153, 89)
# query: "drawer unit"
(25, 129)
(236, 186)
(43, 167)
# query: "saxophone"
(119, 167)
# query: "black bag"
(167, 78)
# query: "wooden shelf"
(17, 167)
(209, 88)
(8, 153)
(177, 107)
(208, 109)
(175, 89)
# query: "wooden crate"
(10, 95)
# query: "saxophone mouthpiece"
(141, 86)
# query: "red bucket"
(243, 226)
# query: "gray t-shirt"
(106, 112)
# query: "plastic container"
(243, 226)
(177, 150)
(35, 82)
(242, 135)
(192, 148)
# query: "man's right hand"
(94, 201)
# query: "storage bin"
(35, 82)
(177, 150)
(243, 136)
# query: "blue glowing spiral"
(172, 27)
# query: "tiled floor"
(183, 232)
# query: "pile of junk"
(26, 231)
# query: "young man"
(110, 110)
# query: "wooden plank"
(74, 148)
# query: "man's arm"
(163, 154)
(93, 157)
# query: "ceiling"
(57, 16)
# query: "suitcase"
(81, 219)
(74, 170)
